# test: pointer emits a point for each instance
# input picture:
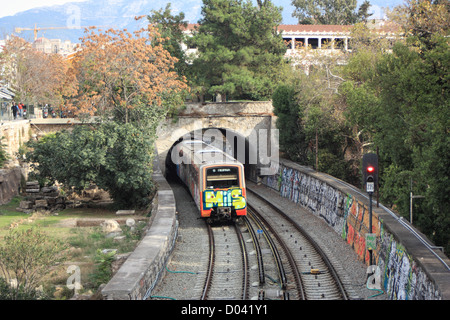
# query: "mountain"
(113, 13)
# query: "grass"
(84, 243)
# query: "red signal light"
(370, 169)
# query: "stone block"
(110, 225)
(41, 203)
(26, 205)
(125, 212)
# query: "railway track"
(227, 274)
(287, 272)
(263, 256)
(313, 271)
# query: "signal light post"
(370, 180)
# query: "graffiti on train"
(224, 198)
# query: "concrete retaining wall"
(140, 272)
(408, 268)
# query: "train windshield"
(222, 177)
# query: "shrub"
(26, 256)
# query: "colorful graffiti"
(404, 279)
(224, 198)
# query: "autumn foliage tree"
(128, 81)
(35, 77)
(126, 75)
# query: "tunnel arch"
(228, 140)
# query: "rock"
(106, 251)
(125, 212)
(26, 205)
(41, 203)
(114, 234)
(110, 225)
(130, 222)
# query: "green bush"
(26, 256)
(103, 271)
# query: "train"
(215, 180)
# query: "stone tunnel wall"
(408, 269)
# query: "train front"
(224, 194)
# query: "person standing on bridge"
(14, 109)
(20, 109)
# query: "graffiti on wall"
(404, 279)
(357, 225)
(313, 194)
(349, 217)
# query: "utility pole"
(411, 197)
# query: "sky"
(12, 7)
(9, 8)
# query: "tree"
(26, 256)
(240, 54)
(421, 19)
(335, 12)
(122, 74)
(114, 156)
(290, 122)
(399, 101)
(171, 30)
(35, 77)
(413, 127)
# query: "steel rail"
(244, 263)
(262, 277)
(312, 241)
(210, 263)
(283, 279)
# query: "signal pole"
(370, 178)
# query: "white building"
(329, 39)
(54, 46)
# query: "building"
(328, 37)
(54, 46)
(306, 43)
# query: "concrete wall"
(140, 272)
(409, 269)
